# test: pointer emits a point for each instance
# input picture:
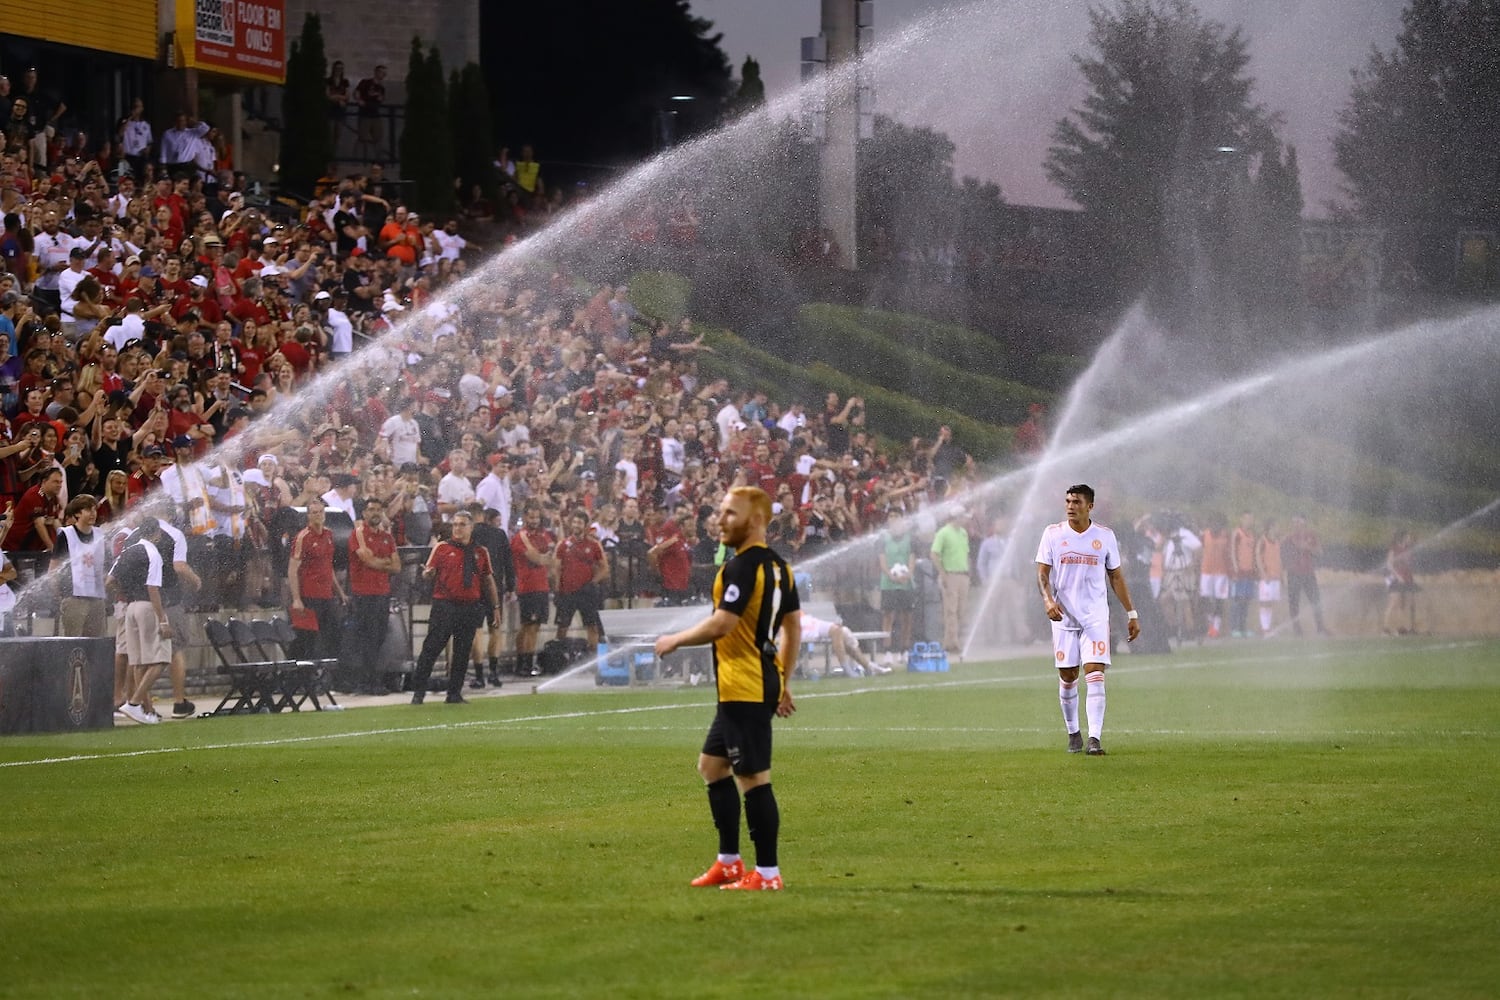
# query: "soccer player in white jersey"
(1074, 561)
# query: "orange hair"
(758, 499)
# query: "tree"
(426, 140)
(751, 93)
(306, 145)
(906, 198)
(1419, 140)
(1161, 133)
(470, 113)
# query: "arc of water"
(1169, 419)
(591, 216)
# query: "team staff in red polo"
(581, 567)
(314, 587)
(531, 551)
(462, 581)
(373, 560)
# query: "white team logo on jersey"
(732, 594)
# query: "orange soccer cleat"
(721, 874)
(754, 880)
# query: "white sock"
(768, 873)
(1067, 694)
(728, 859)
(1096, 703)
(1265, 618)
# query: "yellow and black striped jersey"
(757, 585)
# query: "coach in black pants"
(462, 579)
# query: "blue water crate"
(616, 663)
(927, 658)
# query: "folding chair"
(251, 681)
(275, 665)
(306, 680)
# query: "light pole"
(666, 121)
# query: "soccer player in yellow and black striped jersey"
(756, 631)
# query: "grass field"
(1272, 820)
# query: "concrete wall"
(368, 32)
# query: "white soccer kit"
(1080, 564)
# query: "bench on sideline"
(636, 627)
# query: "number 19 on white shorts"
(1072, 647)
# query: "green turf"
(1272, 820)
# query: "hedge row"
(889, 414)
(945, 365)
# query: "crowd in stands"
(151, 312)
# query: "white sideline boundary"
(802, 694)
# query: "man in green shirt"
(950, 558)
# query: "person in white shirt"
(202, 154)
(673, 455)
(83, 552)
(340, 332)
(627, 473)
(450, 244)
(494, 489)
(403, 434)
(119, 202)
(473, 391)
(1075, 561)
(793, 420)
(340, 495)
(180, 142)
(7, 596)
(991, 553)
(131, 327)
(143, 641)
(512, 433)
(135, 139)
(231, 555)
(68, 281)
(184, 483)
(174, 548)
(727, 417)
(852, 660)
(454, 490)
(53, 252)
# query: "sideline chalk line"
(802, 695)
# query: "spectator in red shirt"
(249, 305)
(37, 516)
(252, 262)
(297, 351)
(104, 273)
(171, 284)
(761, 471)
(198, 300)
(35, 395)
